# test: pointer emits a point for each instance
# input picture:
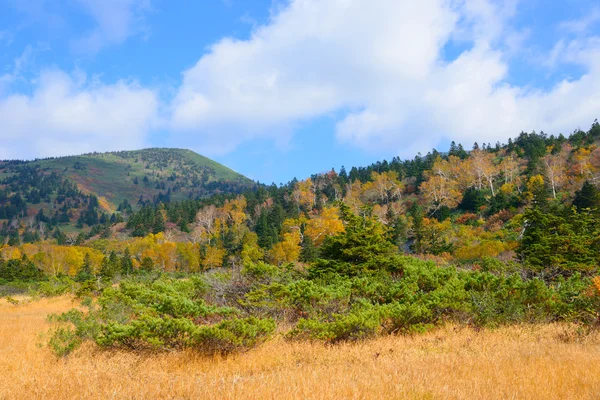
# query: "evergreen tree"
(472, 200)
(343, 176)
(309, 251)
(587, 197)
(110, 266)
(147, 264)
(362, 240)
(417, 215)
(453, 149)
(265, 239)
(21, 269)
(556, 240)
(13, 238)
(126, 263)
(399, 232)
(85, 272)
(113, 261)
(159, 223)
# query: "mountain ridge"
(63, 187)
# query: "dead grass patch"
(520, 362)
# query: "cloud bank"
(69, 114)
(380, 68)
(394, 75)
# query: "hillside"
(127, 175)
(65, 188)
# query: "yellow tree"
(167, 256)
(582, 158)
(440, 192)
(441, 189)
(511, 169)
(288, 250)
(323, 224)
(555, 170)
(52, 259)
(484, 169)
(11, 253)
(230, 225)
(205, 221)
(189, 256)
(213, 257)
(595, 163)
(251, 251)
(304, 195)
(457, 170)
(234, 211)
(387, 186)
(353, 196)
(535, 186)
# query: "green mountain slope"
(81, 189)
(117, 176)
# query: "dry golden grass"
(523, 362)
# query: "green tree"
(85, 273)
(587, 197)
(159, 223)
(363, 239)
(472, 200)
(126, 263)
(309, 251)
(560, 241)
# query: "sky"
(280, 89)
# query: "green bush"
(55, 286)
(358, 324)
(162, 314)
(387, 294)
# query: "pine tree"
(362, 240)
(453, 149)
(416, 213)
(126, 263)
(587, 197)
(159, 223)
(309, 251)
(472, 200)
(85, 272)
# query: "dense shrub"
(236, 309)
(162, 314)
(409, 295)
(22, 270)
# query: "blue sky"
(281, 89)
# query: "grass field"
(521, 362)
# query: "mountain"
(117, 176)
(65, 188)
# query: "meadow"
(558, 361)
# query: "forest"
(490, 236)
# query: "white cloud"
(116, 21)
(314, 57)
(380, 65)
(68, 114)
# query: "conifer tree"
(85, 272)
(587, 197)
(126, 263)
